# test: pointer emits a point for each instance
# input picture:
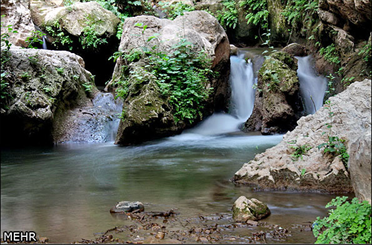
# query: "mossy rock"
(249, 209)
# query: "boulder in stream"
(299, 161)
(126, 206)
(147, 112)
(277, 104)
(245, 209)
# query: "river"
(65, 192)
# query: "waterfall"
(241, 106)
(312, 86)
(44, 43)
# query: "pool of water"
(65, 192)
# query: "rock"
(276, 169)
(96, 122)
(249, 209)
(148, 114)
(126, 206)
(160, 235)
(233, 50)
(360, 166)
(43, 239)
(18, 15)
(295, 49)
(73, 18)
(355, 13)
(277, 104)
(43, 85)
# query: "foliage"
(35, 38)
(89, 37)
(347, 223)
(5, 57)
(60, 70)
(258, 14)
(228, 17)
(181, 76)
(298, 12)
(299, 151)
(60, 36)
(330, 54)
(272, 79)
(175, 9)
(334, 145)
(366, 51)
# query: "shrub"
(347, 223)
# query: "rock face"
(43, 84)
(245, 209)
(148, 114)
(73, 18)
(18, 15)
(96, 122)
(277, 103)
(276, 168)
(360, 166)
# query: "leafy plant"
(89, 37)
(298, 12)
(60, 70)
(181, 76)
(347, 223)
(228, 16)
(35, 38)
(334, 145)
(258, 14)
(330, 54)
(366, 51)
(60, 36)
(87, 86)
(5, 57)
(25, 75)
(34, 59)
(173, 10)
(299, 151)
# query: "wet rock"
(149, 114)
(295, 49)
(126, 206)
(233, 50)
(249, 209)
(277, 104)
(43, 86)
(276, 169)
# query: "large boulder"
(297, 162)
(360, 166)
(74, 18)
(147, 113)
(41, 86)
(277, 103)
(18, 16)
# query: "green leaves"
(336, 146)
(228, 17)
(347, 223)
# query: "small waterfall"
(44, 43)
(242, 102)
(312, 86)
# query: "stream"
(65, 192)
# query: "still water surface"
(65, 192)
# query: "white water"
(241, 107)
(44, 43)
(312, 86)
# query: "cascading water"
(44, 43)
(312, 86)
(242, 102)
